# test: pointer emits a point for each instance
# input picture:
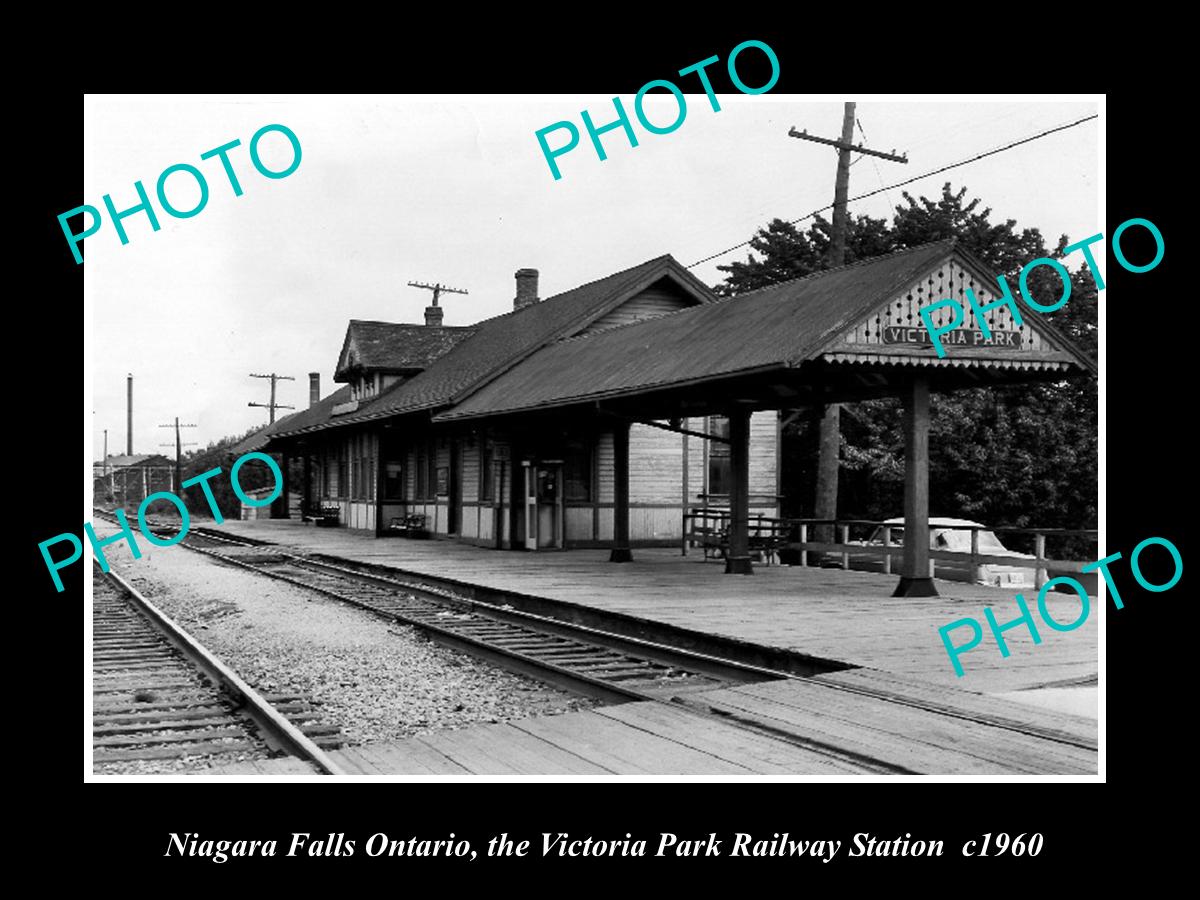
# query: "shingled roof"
(776, 327)
(499, 343)
(394, 347)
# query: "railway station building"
(376, 450)
(599, 416)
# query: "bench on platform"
(709, 529)
(412, 525)
(322, 514)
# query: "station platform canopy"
(841, 335)
(844, 334)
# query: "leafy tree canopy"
(252, 475)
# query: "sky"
(392, 189)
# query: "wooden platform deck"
(844, 724)
(828, 613)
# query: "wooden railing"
(708, 528)
(974, 558)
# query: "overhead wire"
(908, 181)
(878, 174)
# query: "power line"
(888, 187)
(878, 174)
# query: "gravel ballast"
(377, 680)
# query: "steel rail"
(268, 719)
(703, 663)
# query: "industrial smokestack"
(314, 388)
(527, 287)
(129, 416)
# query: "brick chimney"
(433, 316)
(527, 283)
(314, 388)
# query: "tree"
(252, 475)
(1016, 456)
(1000, 246)
(788, 253)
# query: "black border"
(1147, 404)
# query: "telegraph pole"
(272, 406)
(830, 431)
(129, 414)
(178, 451)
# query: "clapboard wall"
(661, 486)
(657, 300)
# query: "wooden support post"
(620, 550)
(887, 555)
(1039, 550)
(803, 541)
(279, 509)
(683, 500)
(829, 447)
(844, 539)
(306, 495)
(286, 469)
(380, 482)
(975, 554)
(915, 580)
(501, 466)
(737, 562)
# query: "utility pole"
(129, 414)
(272, 406)
(104, 466)
(178, 452)
(830, 430)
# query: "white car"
(954, 535)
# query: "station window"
(343, 474)
(487, 491)
(578, 473)
(426, 462)
(718, 456)
(363, 467)
(393, 481)
(431, 459)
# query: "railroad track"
(599, 664)
(605, 665)
(584, 660)
(159, 695)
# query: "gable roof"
(497, 344)
(781, 326)
(394, 347)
